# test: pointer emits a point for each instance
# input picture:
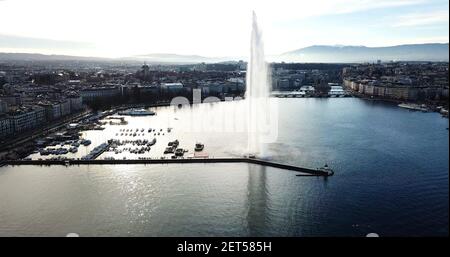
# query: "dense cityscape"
(33, 95)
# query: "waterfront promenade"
(39, 132)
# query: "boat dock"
(308, 171)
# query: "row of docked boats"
(142, 145)
(136, 112)
(140, 150)
(74, 144)
(96, 152)
(172, 148)
(115, 142)
(131, 130)
(414, 107)
(141, 132)
(54, 151)
(134, 134)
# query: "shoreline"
(433, 107)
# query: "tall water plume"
(257, 91)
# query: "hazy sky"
(113, 28)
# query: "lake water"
(391, 178)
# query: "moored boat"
(85, 142)
(414, 107)
(199, 147)
(179, 152)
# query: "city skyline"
(119, 29)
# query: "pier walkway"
(309, 171)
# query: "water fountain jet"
(257, 92)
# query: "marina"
(125, 137)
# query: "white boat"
(179, 152)
(414, 107)
(199, 147)
(152, 142)
(137, 112)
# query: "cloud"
(422, 19)
(350, 6)
(295, 9)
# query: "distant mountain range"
(45, 57)
(158, 58)
(350, 54)
(177, 58)
(315, 54)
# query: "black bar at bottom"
(226, 246)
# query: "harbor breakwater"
(309, 171)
